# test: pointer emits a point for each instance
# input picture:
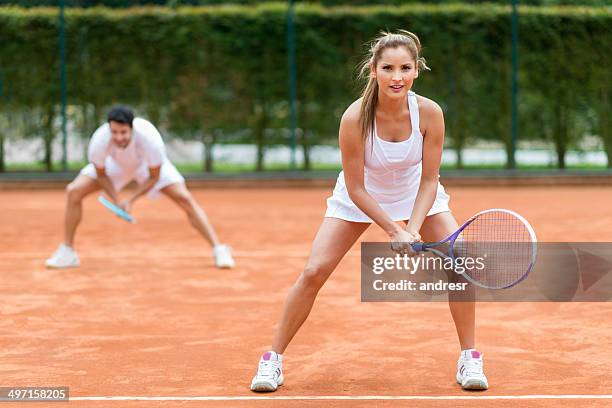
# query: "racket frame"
(118, 211)
(430, 247)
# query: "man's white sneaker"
(223, 257)
(63, 257)
(470, 372)
(269, 374)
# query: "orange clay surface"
(147, 314)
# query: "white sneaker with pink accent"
(269, 374)
(470, 372)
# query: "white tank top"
(393, 169)
(392, 175)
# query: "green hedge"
(206, 72)
(329, 3)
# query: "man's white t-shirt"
(146, 147)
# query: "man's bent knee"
(184, 201)
(75, 192)
(80, 188)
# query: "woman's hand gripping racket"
(118, 211)
(502, 239)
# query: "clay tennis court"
(148, 315)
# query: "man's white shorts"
(120, 176)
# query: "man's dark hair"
(121, 114)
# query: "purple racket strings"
(504, 241)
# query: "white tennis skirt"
(340, 205)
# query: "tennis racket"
(502, 239)
(118, 211)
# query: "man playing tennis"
(125, 149)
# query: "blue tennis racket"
(504, 241)
(118, 211)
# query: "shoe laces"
(472, 366)
(267, 369)
(222, 249)
(62, 251)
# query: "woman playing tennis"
(391, 141)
